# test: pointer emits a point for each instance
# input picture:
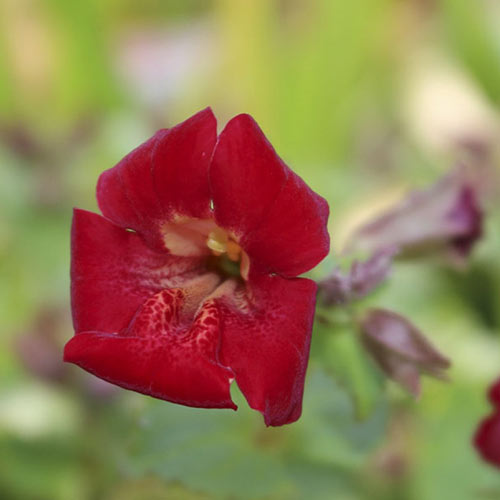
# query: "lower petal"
(157, 368)
(161, 354)
(266, 336)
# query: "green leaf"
(342, 355)
(329, 431)
(222, 453)
(214, 451)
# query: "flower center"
(219, 242)
(229, 252)
(196, 237)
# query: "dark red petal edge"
(266, 339)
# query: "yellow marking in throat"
(217, 241)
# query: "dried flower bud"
(362, 278)
(41, 357)
(400, 349)
(446, 215)
(39, 349)
(487, 438)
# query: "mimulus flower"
(188, 280)
(487, 438)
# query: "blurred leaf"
(212, 451)
(478, 288)
(444, 445)
(42, 469)
(153, 489)
(86, 82)
(326, 74)
(473, 42)
(343, 356)
(321, 482)
(248, 31)
(222, 453)
(329, 431)
(7, 95)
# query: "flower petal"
(279, 220)
(494, 394)
(113, 272)
(159, 356)
(163, 179)
(265, 340)
(487, 439)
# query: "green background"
(364, 99)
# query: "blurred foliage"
(332, 84)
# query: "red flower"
(487, 438)
(189, 279)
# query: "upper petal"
(113, 272)
(278, 219)
(266, 335)
(164, 179)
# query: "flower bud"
(446, 215)
(400, 349)
(362, 278)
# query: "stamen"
(233, 251)
(222, 245)
(244, 265)
(217, 241)
(187, 237)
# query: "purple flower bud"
(447, 214)
(400, 349)
(362, 278)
